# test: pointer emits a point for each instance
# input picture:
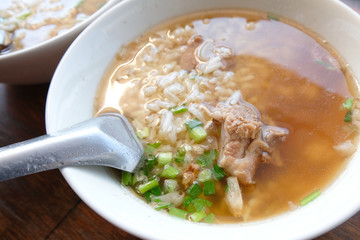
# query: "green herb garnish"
(310, 197)
(207, 159)
(209, 188)
(194, 190)
(150, 148)
(148, 185)
(178, 109)
(178, 212)
(218, 172)
(24, 16)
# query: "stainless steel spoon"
(107, 140)
(5, 41)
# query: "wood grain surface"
(43, 206)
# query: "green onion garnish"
(272, 16)
(150, 148)
(209, 188)
(156, 191)
(194, 190)
(179, 109)
(126, 178)
(180, 155)
(178, 212)
(187, 200)
(149, 164)
(142, 133)
(205, 175)
(348, 116)
(24, 16)
(191, 124)
(169, 172)
(310, 197)
(147, 186)
(348, 103)
(170, 185)
(164, 158)
(209, 218)
(197, 216)
(162, 205)
(207, 159)
(200, 204)
(198, 134)
(218, 172)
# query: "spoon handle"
(107, 140)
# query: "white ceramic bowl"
(37, 64)
(73, 91)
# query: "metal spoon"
(5, 41)
(107, 140)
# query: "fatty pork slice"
(245, 140)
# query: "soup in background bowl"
(72, 101)
(34, 34)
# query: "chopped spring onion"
(156, 191)
(191, 124)
(164, 158)
(272, 16)
(150, 148)
(162, 205)
(348, 116)
(205, 175)
(209, 188)
(197, 216)
(179, 109)
(218, 172)
(180, 155)
(198, 134)
(170, 185)
(126, 178)
(178, 212)
(201, 204)
(169, 172)
(186, 201)
(310, 197)
(148, 185)
(24, 16)
(209, 218)
(144, 133)
(149, 164)
(194, 190)
(348, 104)
(207, 159)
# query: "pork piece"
(245, 140)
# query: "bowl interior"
(73, 91)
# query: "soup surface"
(26, 23)
(241, 114)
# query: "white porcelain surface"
(73, 90)
(38, 63)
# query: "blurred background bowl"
(73, 91)
(37, 64)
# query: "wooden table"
(43, 206)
